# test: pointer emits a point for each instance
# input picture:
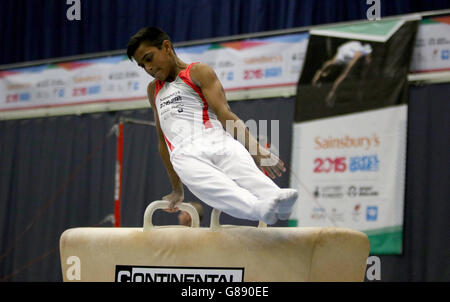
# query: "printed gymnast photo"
(341, 65)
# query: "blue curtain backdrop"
(39, 29)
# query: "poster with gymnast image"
(354, 68)
(349, 137)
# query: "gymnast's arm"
(205, 78)
(177, 194)
(322, 70)
(348, 68)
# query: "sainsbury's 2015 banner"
(349, 142)
(256, 63)
(349, 170)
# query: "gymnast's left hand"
(174, 199)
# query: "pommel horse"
(228, 252)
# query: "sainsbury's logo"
(364, 142)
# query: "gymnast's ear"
(167, 46)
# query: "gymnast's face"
(159, 63)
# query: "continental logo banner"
(126, 273)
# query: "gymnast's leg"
(239, 166)
(211, 185)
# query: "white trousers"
(221, 172)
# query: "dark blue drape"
(39, 29)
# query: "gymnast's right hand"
(174, 199)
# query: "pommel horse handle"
(215, 223)
(163, 204)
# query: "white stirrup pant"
(221, 172)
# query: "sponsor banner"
(126, 273)
(100, 80)
(432, 48)
(349, 143)
(256, 63)
(349, 171)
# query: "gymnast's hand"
(174, 198)
(269, 163)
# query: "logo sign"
(125, 273)
(372, 213)
(318, 213)
(356, 214)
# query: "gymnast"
(197, 131)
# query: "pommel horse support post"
(236, 253)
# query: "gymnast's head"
(152, 49)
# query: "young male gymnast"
(191, 112)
